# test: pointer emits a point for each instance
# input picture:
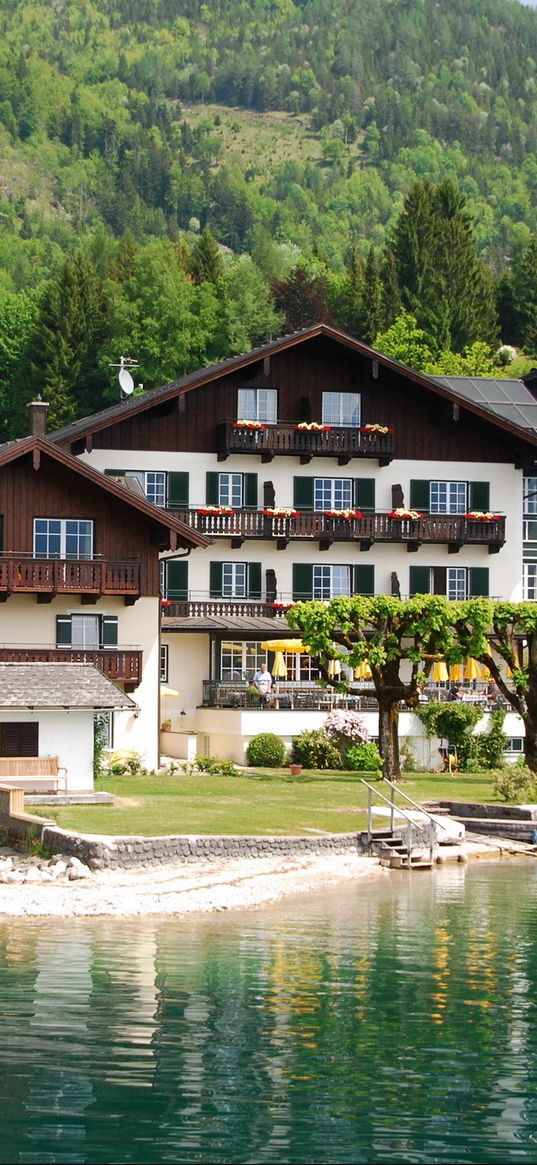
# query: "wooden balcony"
(452, 529)
(285, 439)
(124, 666)
(47, 577)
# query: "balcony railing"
(25, 575)
(122, 665)
(305, 697)
(285, 439)
(218, 608)
(453, 529)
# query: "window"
(86, 632)
(160, 487)
(257, 404)
(331, 581)
(63, 538)
(239, 660)
(341, 408)
(529, 582)
(530, 495)
(515, 744)
(153, 483)
(19, 738)
(164, 654)
(448, 497)
(233, 580)
(457, 583)
(332, 493)
(230, 491)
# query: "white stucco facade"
(65, 733)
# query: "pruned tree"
(396, 639)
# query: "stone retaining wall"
(121, 852)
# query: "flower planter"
(295, 770)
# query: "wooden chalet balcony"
(284, 439)
(122, 665)
(452, 529)
(47, 577)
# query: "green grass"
(256, 802)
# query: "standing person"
(263, 682)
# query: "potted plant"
(165, 726)
(295, 770)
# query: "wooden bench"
(34, 774)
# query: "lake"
(395, 1022)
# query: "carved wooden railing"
(119, 664)
(454, 529)
(287, 440)
(71, 576)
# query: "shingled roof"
(519, 424)
(59, 685)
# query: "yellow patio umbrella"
(456, 673)
(279, 669)
(334, 668)
(295, 645)
(472, 670)
(167, 691)
(363, 672)
(485, 672)
(439, 673)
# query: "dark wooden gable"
(426, 424)
(56, 491)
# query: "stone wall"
(120, 852)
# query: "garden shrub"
(364, 758)
(126, 763)
(266, 750)
(515, 783)
(215, 766)
(314, 750)
(346, 728)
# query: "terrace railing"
(123, 665)
(286, 439)
(23, 574)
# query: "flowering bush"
(249, 425)
(506, 354)
(348, 515)
(401, 512)
(374, 427)
(280, 512)
(482, 515)
(348, 724)
(208, 510)
(313, 426)
(313, 749)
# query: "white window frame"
(329, 582)
(231, 490)
(332, 493)
(529, 581)
(456, 583)
(258, 404)
(154, 483)
(342, 409)
(240, 659)
(164, 662)
(63, 533)
(530, 495)
(448, 497)
(234, 580)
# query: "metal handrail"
(435, 820)
(403, 813)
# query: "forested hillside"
(146, 207)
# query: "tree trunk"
(389, 739)
(530, 742)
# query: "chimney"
(38, 417)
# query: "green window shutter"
(478, 581)
(211, 489)
(63, 630)
(479, 496)
(217, 660)
(419, 578)
(215, 580)
(302, 581)
(254, 580)
(249, 493)
(177, 580)
(420, 498)
(363, 579)
(109, 630)
(364, 493)
(178, 489)
(115, 472)
(303, 493)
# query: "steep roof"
(476, 402)
(509, 400)
(179, 533)
(59, 685)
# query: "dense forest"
(131, 224)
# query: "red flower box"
(312, 427)
(346, 515)
(405, 515)
(482, 516)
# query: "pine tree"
(70, 333)
(372, 304)
(525, 296)
(206, 262)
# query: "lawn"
(258, 801)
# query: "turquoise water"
(395, 1022)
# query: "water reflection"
(392, 1023)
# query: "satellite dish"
(126, 382)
